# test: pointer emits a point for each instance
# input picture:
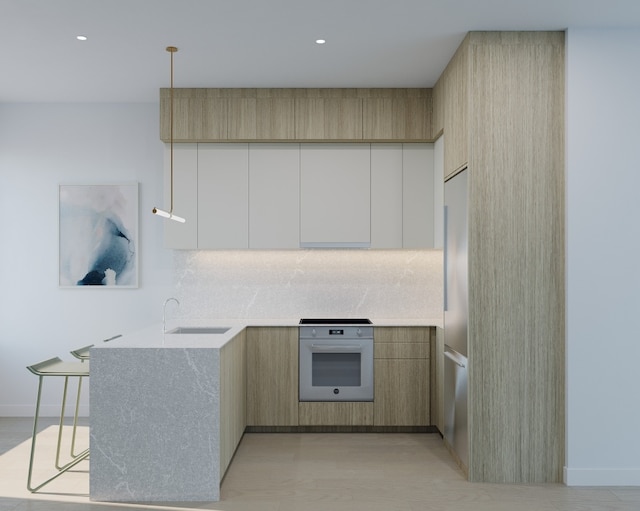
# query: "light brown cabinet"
(233, 420)
(272, 376)
(348, 413)
(451, 110)
(500, 106)
(318, 115)
(402, 376)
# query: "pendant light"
(169, 214)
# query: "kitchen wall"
(603, 243)
(44, 145)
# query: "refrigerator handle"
(444, 253)
(458, 360)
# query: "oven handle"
(336, 347)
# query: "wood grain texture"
(272, 376)
(232, 397)
(451, 110)
(280, 114)
(401, 350)
(335, 414)
(516, 267)
(402, 334)
(401, 392)
(437, 379)
(402, 380)
(397, 118)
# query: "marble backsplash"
(392, 284)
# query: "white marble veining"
(393, 284)
(155, 422)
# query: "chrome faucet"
(164, 312)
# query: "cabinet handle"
(445, 233)
(454, 358)
(341, 347)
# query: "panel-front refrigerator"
(456, 315)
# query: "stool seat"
(56, 367)
(82, 353)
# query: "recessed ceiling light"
(81, 37)
(320, 41)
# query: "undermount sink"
(200, 330)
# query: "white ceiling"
(255, 43)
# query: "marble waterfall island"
(167, 412)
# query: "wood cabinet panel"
(402, 376)
(247, 115)
(275, 119)
(402, 334)
(241, 119)
(232, 397)
(401, 392)
(501, 107)
(404, 117)
(328, 119)
(451, 97)
(336, 414)
(272, 376)
(516, 224)
(401, 350)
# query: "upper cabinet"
(403, 197)
(318, 115)
(274, 198)
(223, 196)
(451, 109)
(287, 196)
(335, 198)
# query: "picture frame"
(98, 235)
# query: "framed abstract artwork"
(98, 235)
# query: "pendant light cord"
(172, 50)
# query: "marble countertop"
(153, 336)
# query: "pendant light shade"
(157, 211)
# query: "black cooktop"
(335, 321)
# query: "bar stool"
(82, 354)
(55, 367)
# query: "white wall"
(603, 263)
(44, 145)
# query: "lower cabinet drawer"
(335, 414)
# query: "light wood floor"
(332, 471)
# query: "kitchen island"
(168, 410)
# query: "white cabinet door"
(274, 196)
(223, 196)
(335, 197)
(417, 170)
(185, 188)
(386, 195)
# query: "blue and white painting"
(99, 235)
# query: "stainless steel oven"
(336, 360)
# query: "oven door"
(333, 370)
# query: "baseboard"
(601, 477)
